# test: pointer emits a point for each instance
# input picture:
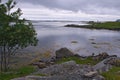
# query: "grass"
(98, 25)
(13, 73)
(112, 74)
(78, 60)
(106, 25)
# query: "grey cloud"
(88, 6)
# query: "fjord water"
(53, 35)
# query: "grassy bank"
(112, 74)
(14, 73)
(78, 60)
(98, 25)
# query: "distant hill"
(118, 20)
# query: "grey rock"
(101, 56)
(67, 71)
(113, 61)
(102, 67)
(63, 52)
(47, 60)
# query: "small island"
(98, 25)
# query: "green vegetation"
(13, 73)
(78, 60)
(106, 25)
(113, 74)
(98, 25)
(15, 33)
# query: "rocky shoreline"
(70, 70)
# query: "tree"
(15, 33)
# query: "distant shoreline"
(98, 25)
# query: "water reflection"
(52, 36)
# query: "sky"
(78, 10)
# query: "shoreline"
(98, 25)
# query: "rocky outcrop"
(67, 71)
(113, 61)
(63, 52)
(102, 67)
(101, 56)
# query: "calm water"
(52, 36)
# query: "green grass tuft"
(23, 71)
(78, 60)
(106, 25)
(112, 74)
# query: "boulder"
(63, 52)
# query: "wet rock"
(101, 56)
(63, 52)
(74, 42)
(113, 61)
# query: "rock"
(63, 52)
(74, 42)
(98, 77)
(102, 66)
(48, 59)
(112, 55)
(22, 78)
(114, 61)
(101, 56)
(91, 74)
(35, 78)
(67, 71)
(40, 65)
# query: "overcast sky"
(70, 9)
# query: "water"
(53, 36)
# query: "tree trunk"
(5, 59)
(1, 56)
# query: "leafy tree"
(15, 33)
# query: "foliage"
(106, 25)
(15, 33)
(23, 71)
(98, 25)
(112, 74)
(78, 60)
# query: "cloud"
(70, 9)
(87, 6)
(41, 12)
